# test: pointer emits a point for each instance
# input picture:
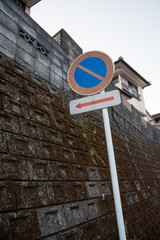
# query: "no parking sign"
(90, 73)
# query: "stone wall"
(55, 180)
(54, 167)
(24, 41)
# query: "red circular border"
(89, 91)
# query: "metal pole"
(114, 178)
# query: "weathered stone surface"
(59, 165)
(55, 179)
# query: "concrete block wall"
(53, 166)
(55, 170)
(27, 43)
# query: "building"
(131, 85)
(55, 177)
(155, 120)
(26, 5)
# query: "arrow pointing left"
(95, 102)
(81, 105)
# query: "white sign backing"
(95, 102)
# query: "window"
(115, 80)
(130, 88)
(125, 85)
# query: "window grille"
(20, 3)
(33, 42)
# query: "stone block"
(9, 122)
(8, 198)
(20, 225)
(51, 220)
(93, 173)
(26, 46)
(91, 230)
(60, 112)
(13, 167)
(57, 192)
(41, 169)
(31, 88)
(56, 60)
(7, 52)
(28, 28)
(81, 144)
(92, 209)
(8, 44)
(55, 77)
(75, 213)
(53, 237)
(92, 189)
(70, 234)
(43, 59)
(52, 135)
(62, 171)
(22, 145)
(77, 191)
(104, 173)
(50, 151)
(23, 96)
(60, 124)
(105, 188)
(9, 11)
(106, 226)
(9, 75)
(7, 88)
(131, 198)
(67, 154)
(27, 58)
(80, 172)
(31, 129)
(41, 68)
(74, 130)
(1, 101)
(14, 106)
(31, 194)
(24, 64)
(57, 51)
(8, 33)
(21, 71)
(66, 86)
(65, 68)
(39, 116)
(81, 157)
(57, 70)
(64, 77)
(70, 141)
(3, 142)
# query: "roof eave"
(31, 3)
(134, 71)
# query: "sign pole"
(114, 178)
(90, 73)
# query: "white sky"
(127, 28)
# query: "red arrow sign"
(95, 102)
(80, 105)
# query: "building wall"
(138, 104)
(54, 167)
(24, 41)
(119, 83)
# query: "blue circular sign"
(90, 73)
(87, 80)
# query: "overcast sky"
(127, 28)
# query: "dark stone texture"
(55, 178)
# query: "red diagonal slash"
(80, 105)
